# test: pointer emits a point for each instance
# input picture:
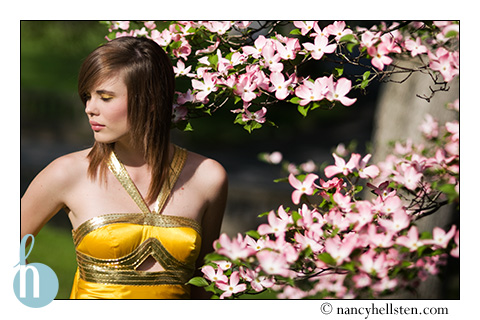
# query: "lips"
(96, 126)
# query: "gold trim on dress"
(178, 162)
(151, 219)
(118, 169)
(123, 270)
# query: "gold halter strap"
(118, 169)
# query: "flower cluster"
(337, 243)
(340, 243)
(255, 65)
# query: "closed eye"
(106, 97)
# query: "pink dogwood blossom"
(310, 91)
(372, 263)
(218, 26)
(256, 49)
(279, 85)
(380, 56)
(444, 62)
(455, 252)
(246, 88)
(440, 237)
(411, 240)
(276, 224)
(400, 220)
(257, 116)
(213, 275)
(415, 47)
(273, 263)
(272, 58)
(319, 47)
(235, 248)
(340, 250)
(340, 166)
(305, 26)
(429, 127)
(364, 171)
(391, 205)
(338, 29)
(181, 70)
(379, 239)
(206, 87)
(288, 51)
(257, 282)
(408, 176)
(305, 187)
(232, 287)
(338, 91)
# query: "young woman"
(144, 212)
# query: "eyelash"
(87, 97)
(106, 99)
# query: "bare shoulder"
(66, 169)
(47, 193)
(207, 173)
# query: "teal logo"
(35, 284)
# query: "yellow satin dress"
(110, 247)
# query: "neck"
(129, 155)
(134, 156)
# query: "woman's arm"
(216, 189)
(45, 195)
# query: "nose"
(91, 108)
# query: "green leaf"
(358, 189)
(236, 99)
(184, 125)
(253, 233)
(339, 71)
(366, 75)
(425, 235)
(349, 266)
(263, 214)
(364, 84)
(350, 46)
(295, 100)
(211, 288)
(281, 180)
(303, 109)
(212, 256)
(175, 45)
(348, 38)
(327, 258)
(198, 281)
(213, 59)
(449, 190)
(296, 32)
(296, 216)
(421, 250)
(252, 125)
(239, 119)
(451, 34)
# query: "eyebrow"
(100, 92)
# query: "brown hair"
(148, 75)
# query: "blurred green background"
(51, 54)
(53, 124)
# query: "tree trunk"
(398, 117)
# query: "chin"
(104, 138)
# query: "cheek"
(119, 114)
